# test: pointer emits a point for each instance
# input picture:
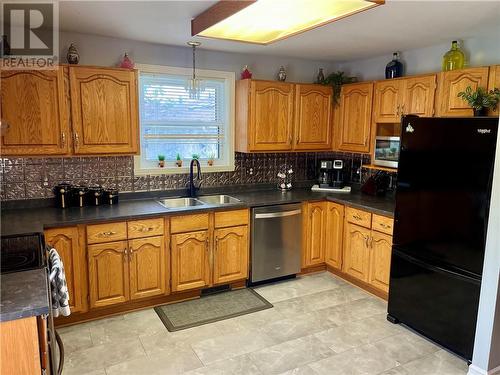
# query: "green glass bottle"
(454, 58)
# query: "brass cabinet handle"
(77, 139)
(130, 253)
(357, 217)
(148, 229)
(208, 244)
(397, 110)
(107, 234)
(385, 226)
(63, 139)
(125, 258)
(403, 109)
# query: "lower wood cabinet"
(108, 274)
(314, 234)
(380, 260)
(67, 243)
(190, 260)
(356, 251)
(230, 254)
(334, 234)
(147, 267)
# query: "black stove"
(22, 252)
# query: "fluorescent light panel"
(266, 21)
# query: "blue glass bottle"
(395, 68)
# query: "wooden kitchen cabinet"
(380, 260)
(34, 113)
(230, 254)
(388, 100)
(334, 234)
(264, 115)
(354, 127)
(453, 82)
(104, 110)
(356, 252)
(494, 82)
(190, 260)
(313, 117)
(419, 93)
(315, 234)
(147, 267)
(108, 274)
(67, 243)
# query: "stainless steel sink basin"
(179, 202)
(218, 199)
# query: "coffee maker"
(338, 174)
(325, 173)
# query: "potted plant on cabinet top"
(336, 80)
(161, 161)
(480, 100)
(211, 158)
(178, 160)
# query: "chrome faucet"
(192, 188)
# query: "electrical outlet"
(250, 171)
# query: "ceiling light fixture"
(194, 84)
(267, 21)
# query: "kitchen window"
(172, 123)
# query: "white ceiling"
(397, 25)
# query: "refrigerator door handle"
(437, 268)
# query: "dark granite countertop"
(24, 294)
(28, 220)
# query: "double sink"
(199, 201)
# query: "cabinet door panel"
(455, 81)
(356, 254)
(148, 276)
(380, 260)
(66, 242)
(355, 117)
(313, 117)
(334, 234)
(190, 260)
(271, 116)
(494, 82)
(419, 93)
(315, 234)
(108, 274)
(230, 254)
(104, 110)
(387, 101)
(33, 108)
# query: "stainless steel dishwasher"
(276, 241)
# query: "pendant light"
(194, 84)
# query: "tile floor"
(319, 325)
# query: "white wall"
(480, 51)
(106, 51)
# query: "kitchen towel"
(59, 289)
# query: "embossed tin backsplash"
(31, 178)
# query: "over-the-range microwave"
(387, 151)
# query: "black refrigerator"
(443, 192)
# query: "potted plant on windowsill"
(211, 158)
(178, 160)
(161, 161)
(480, 100)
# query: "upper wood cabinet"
(280, 116)
(190, 260)
(67, 243)
(315, 234)
(451, 83)
(354, 127)
(108, 274)
(264, 115)
(397, 97)
(34, 112)
(313, 117)
(334, 234)
(230, 254)
(494, 82)
(148, 275)
(104, 110)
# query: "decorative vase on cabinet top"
(454, 58)
(395, 68)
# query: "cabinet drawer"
(98, 233)
(358, 217)
(383, 224)
(187, 223)
(231, 218)
(145, 228)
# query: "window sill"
(181, 170)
